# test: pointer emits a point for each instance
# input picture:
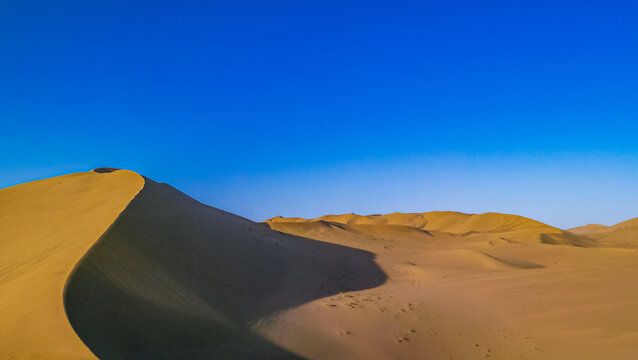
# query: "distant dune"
(109, 264)
(472, 227)
(589, 229)
(624, 234)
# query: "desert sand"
(109, 264)
(46, 226)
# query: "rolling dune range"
(108, 264)
(464, 286)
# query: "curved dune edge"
(47, 227)
(176, 279)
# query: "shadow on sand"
(175, 279)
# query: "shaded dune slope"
(46, 226)
(175, 279)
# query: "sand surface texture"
(108, 264)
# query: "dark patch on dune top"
(175, 279)
(104, 170)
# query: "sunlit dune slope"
(487, 226)
(46, 226)
(589, 229)
(624, 234)
(629, 224)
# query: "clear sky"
(303, 108)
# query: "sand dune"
(624, 234)
(589, 229)
(174, 279)
(169, 278)
(493, 226)
(108, 264)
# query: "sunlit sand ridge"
(624, 234)
(45, 228)
(113, 265)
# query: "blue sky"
(301, 108)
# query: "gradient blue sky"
(300, 108)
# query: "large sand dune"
(176, 279)
(167, 278)
(113, 265)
